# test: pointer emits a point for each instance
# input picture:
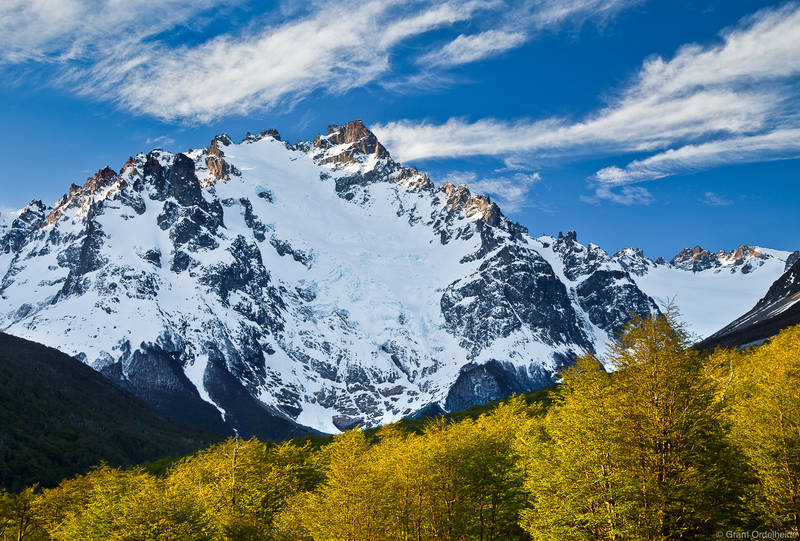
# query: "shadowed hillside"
(58, 417)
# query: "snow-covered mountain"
(273, 287)
(708, 288)
(775, 311)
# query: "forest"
(671, 443)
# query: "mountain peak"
(630, 251)
(217, 166)
(358, 138)
(633, 260)
(571, 236)
(99, 180)
(252, 138)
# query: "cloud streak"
(465, 49)
(525, 21)
(712, 199)
(730, 102)
(58, 31)
(334, 49)
(106, 49)
(774, 145)
(629, 126)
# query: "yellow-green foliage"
(453, 481)
(638, 454)
(669, 445)
(760, 389)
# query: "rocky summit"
(275, 289)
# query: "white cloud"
(715, 200)
(774, 145)
(117, 50)
(511, 192)
(630, 126)
(524, 21)
(334, 49)
(626, 195)
(465, 49)
(64, 30)
(763, 46)
(729, 102)
(547, 13)
(161, 141)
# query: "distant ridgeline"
(671, 445)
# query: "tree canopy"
(670, 444)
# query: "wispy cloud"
(57, 31)
(629, 126)
(510, 191)
(465, 49)
(730, 102)
(522, 22)
(770, 146)
(161, 140)
(715, 200)
(107, 49)
(627, 195)
(333, 49)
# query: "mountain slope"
(273, 287)
(59, 417)
(707, 287)
(777, 310)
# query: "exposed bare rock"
(354, 139)
(460, 198)
(217, 166)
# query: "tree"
(351, 504)
(672, 434)
(17, 515)
(124, 505)
(760, 389)
(637, 454)
(242, 485)
(572, 461)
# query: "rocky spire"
(217, 166)
(359, 139)
(99, 180)
(459, 197)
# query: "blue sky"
(657, 124)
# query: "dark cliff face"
(791, 260)
(607, 293)
(611, 299)
(512, 290)
(494, 380)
